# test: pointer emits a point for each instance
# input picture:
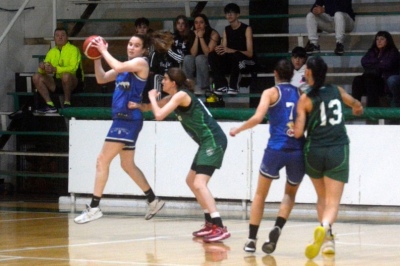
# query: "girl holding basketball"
(130, 79)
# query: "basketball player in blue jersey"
(283, 150)
(130, 79)
(319, 112)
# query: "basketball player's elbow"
(158, 116)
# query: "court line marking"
(30, 219)
(111, 242)
(93, 261)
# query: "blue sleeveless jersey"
(128, 87)
(282, 115)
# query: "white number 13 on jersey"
(337, 111)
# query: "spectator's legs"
(234, 60)
(189, 67)
(357, 88)
(374, 87)
(393, 83)
(311, 23)
(202, 73)
(218, 66)
(69, 83)
(44, 83)
(343, 23)
(323, 22)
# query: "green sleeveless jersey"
(199, 123)
(325, 123)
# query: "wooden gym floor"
(39, 233)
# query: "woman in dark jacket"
(381, 61)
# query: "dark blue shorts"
(125, 131)
(275, 160)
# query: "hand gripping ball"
(88, 50)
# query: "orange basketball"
(88, 50)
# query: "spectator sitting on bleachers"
(142, 26)
(331, 16)
(299, 58)
(234, 55)
(201, 44)
(393, 83)
(182, 34)
(60, 72)
(159, 62)
(381, 61)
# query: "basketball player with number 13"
(326, 149)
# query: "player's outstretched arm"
(266, 98)
(355, 105)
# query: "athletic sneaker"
(217, 234)
(328, 247)
(47, 110)
(154, 207)
(88, 215)
(232, 91)
(312, 48)
(221, 91)
(312, 250)
(250, 245)
(339, 50)
(205, 230)
(270, 245)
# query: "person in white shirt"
(299, 59)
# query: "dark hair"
(142, 21)
(284, 68)
(208, 29)
(176, 74)
(389, 40)
(299, 51)
(205, 18)
(146, 41)
(232, 7)
(60, 29)
(318, 68)
(186, 21)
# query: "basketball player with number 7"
(130, 79)
(326, 151)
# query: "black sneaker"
(339, 48)
(250, 245)
(270, 245)
(221, 91)
(232, 91)
(47, 110)
(312, 48)
(67, 105)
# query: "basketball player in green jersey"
(205, 131)
(326, 150)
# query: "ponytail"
(189, 84)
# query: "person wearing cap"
(299, 58)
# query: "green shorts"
(210, 154)
(330, 161)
